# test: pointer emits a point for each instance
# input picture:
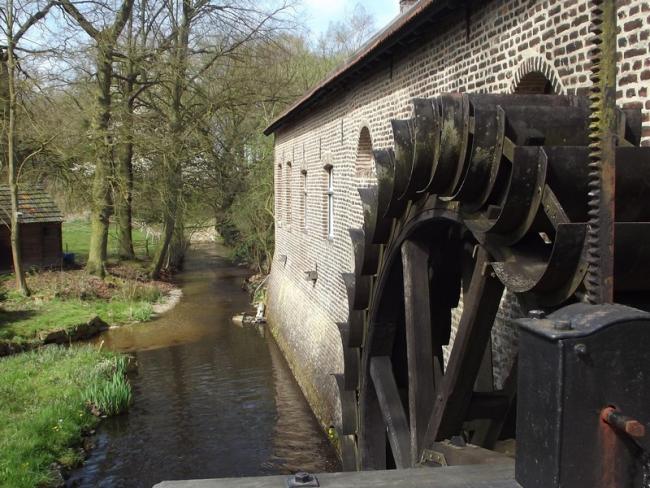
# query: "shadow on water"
(211, 399)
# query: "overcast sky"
(319, 13)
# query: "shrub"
(113, 395)
(110, 397)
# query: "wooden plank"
(417, 310)
(479, 476)
(399, 437)
(480, 305)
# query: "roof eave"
(401, 27)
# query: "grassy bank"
(63, 300)
(76, 239)
(46, 402)
(66, 299)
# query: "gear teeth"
(597, 137)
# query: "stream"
(211, 399)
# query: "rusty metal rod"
(623, 423)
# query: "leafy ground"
(45, 408)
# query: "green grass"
(76, 239)
(33, 316)
(44, 410)
(114, 396)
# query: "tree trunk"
(4, 102)
(173, 179)
(21, 283)
(178, 244)
(101, 190)
(163, 249)
(124, 194)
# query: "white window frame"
(304, 199)
(279, 195)
(330, 202)
(288, 195)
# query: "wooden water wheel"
(481, 194)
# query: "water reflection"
(211, 399)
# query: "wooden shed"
(40, 228)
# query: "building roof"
(34, 204)
(403, 31)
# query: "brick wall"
(507, 39)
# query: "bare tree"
(105, 40)
(14, 32)
(345, 37)
(203, 34)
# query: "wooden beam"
(480, 305)
(417, 309)
(479, 476)
(399, 437)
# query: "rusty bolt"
(628, 425)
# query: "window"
(288, 194)
(365, 158)
(304, 199)
(330, 201)
(278, 194)
(534, 82)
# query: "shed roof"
(34, 204)
(403, 31)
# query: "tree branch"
(32, 20)
(79, 17)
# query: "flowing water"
(211, 399)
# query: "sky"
(319, 13)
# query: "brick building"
(324, 144)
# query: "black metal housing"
(572, 366)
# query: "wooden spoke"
(417, 311)
(373, 432)
(509, 391)
(480, 305)
(381, 371)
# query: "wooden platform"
(477, 476)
